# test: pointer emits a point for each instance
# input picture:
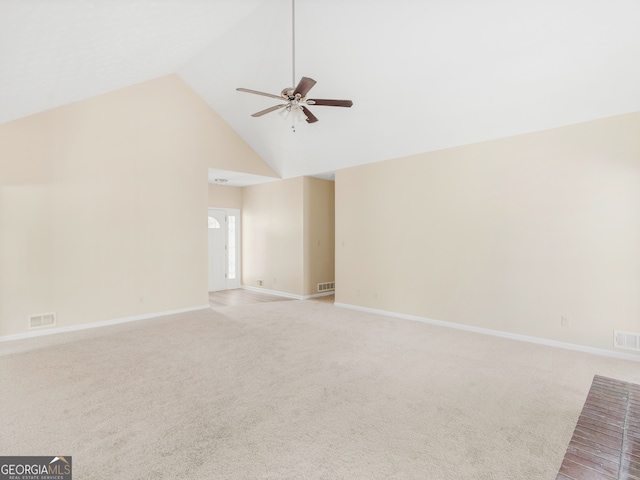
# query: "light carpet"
(294, 390)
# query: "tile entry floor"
(240, 296)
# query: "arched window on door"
(213, 223)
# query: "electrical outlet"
(565, 322)
(259, 283)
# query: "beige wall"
(288, 235)
(103, 205)
(319, 233)
(223, 196)
(272, 236)
(508, 235)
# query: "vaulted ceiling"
(423, 74)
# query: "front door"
(224, 249)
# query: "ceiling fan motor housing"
(287, 94)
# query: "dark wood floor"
(606, 440)
(240, 296)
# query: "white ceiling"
(423, 74)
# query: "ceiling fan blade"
(304, 86)
(269, 110)
(246, 90)
(330, 103)
(311, 118)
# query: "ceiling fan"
(295, 98)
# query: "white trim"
(497, 333)
(288, 295)
(105, 323)
(323, 294)
(272, 292)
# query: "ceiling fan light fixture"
(298, 114)
(296, 97)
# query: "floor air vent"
(626, 340)
(42, 320)
(326, 287)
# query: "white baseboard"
(288, 295)
(498, 333)
(316, 295)
(272, 292)
(105, 323)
